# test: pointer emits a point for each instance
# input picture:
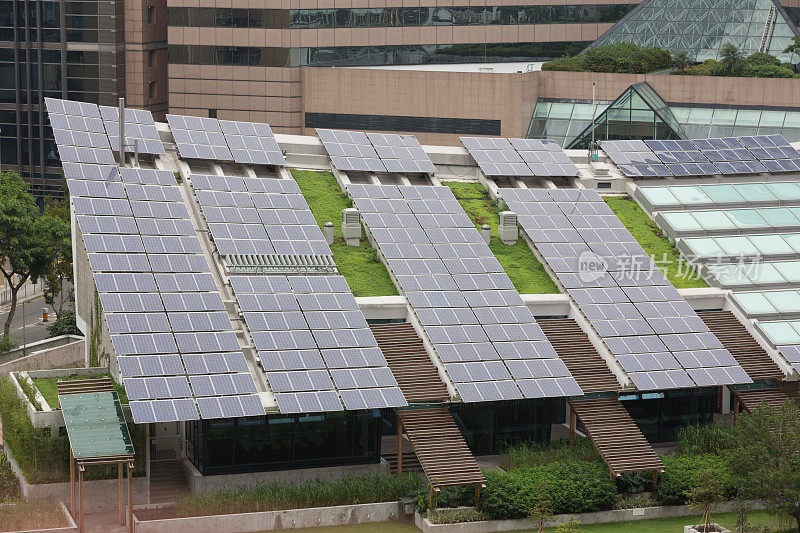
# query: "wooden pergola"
(98, 435)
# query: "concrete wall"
(341, 515)
(61, 351)
(99, 495)
(201, 483)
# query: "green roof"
(96, 425)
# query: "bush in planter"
(571, 487)
(455, 516)
(447, 497)
(681, 475)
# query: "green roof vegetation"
(48, 387)
(360, 265)
(617, 57)
(526, 272)
(31, 515)
(654, 242)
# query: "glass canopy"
(95, 425)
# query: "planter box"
(71, 527)
(601, 517)
(269, 520)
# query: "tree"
(27, 239)
(58, 283)
(765, 457)
(705, 495)
(681, 60)
(732, 59)
(540, 514)
(793, 48)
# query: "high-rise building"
(91, 51)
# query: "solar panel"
(729, 156)
(682, 158)
(350, 150)
(199, 138)
(496, 156)
(139, 127)
(641, 318)
(545, 157)
(635, 158)
(79, 132)
(401, 153)
(252, 143)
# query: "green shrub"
(9, 486)
(706, 438)
(277, 495)
(634, 501)
(529, 454)
(761, 58)
(617, 57)
(680, 475)
(455, 516)
(64, 324)
(767, 70)
(571, 487)
(447, 497)
(633, 482)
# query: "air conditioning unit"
(507, 229)
(351, 226)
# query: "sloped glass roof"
(701, 27)
(95, 425)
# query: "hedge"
(571, 487)
(618, 57)
(680, 475)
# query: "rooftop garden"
(48, 387)
(526, 272)
(360, 265)
(654, 242)
(30, 515)
(632, 59)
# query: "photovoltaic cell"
(350, 150)
(139, 126)
(199, 138)
(252, 143)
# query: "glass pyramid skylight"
(701, 27)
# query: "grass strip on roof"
(48, 387)
(360, 265)
(526, 271)
(654, 242)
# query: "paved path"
(103, 523)
(34, 329)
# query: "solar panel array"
(351, 150)
(79, 132)
(199, 138)
(139, 126)
(258, 216)
(312, 339)
(497, 156)
(401, 153)
(175, 347)
(651, 330)
(252, 143)
(487, 338)
(703, 157)
(314, 344)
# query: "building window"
(212, 113)
(151, 90)
(459, 126)
(150, 54)
(150, 14)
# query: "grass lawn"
(48, 387)
(669, 525)
(31, 515)
(375, 527)
(654, 242)
(360, 265)
(526, 272)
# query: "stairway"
(167, 481)
(410, 363)
(576, 350)
(742, 346)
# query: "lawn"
(48, 387)
(360, 265)
(654, 242)
(526, 272)
(31, 515)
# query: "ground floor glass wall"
(228, 446)
(660, 415)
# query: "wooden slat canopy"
(410, 363)
(743, 347)
(752, 399)
(440, 447)
(616, 435)
(584, 363)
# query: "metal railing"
(26, 290)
